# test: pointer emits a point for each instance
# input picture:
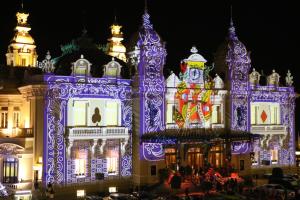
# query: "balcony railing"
(261, 129)
(97, 132)
(16, 132)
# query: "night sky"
(270, 31)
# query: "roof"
(191, 135)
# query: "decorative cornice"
(31, 91)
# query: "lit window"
(3, 116)
(112, 113)
(254, 157)
(216, 114)
(254, 114)
(170, 156)
(80, 165)
(112, 165)
(23, 62)
(275, 118)
(170, 113)
(80, 113)
(274, 156)
(16, 117)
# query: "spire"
(146, 7)
(146, 18)
(231, 30)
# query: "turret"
(22, 49)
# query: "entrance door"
(195, 158)
(10, 170)
(215, 156)
(170, 157)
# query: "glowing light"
(112, 189)
(80, 193)
(40, 159)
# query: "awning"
(198, 135)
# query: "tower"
(148, 102)
(22, 49)
(239, 64)
(115, 46)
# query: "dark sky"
(270, 30)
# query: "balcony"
(16, 132)
(268, 131)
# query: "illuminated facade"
(22, 50)
(79, 117)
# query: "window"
(274, 156)
(80, 113)
(153, 170)
(80, 163)
(112, 165)
(10, 170)
(275, 119)
(4, 113)
(16, 117)
(23, 62)
(216, 114)
(265, 113)
(170, 113)
(112, 113)
(254, 157)
(254, 114)
(112, 156)
(242, 165)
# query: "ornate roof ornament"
(112, 69)
(273, 79)
(195, 57)
(47, 65)
(218, 82)
(81, 67)
(289, 79)
(254, 77)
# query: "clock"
(194, 74)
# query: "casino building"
(91, 114)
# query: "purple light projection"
(239, 63)
(60, 90)
(151, 87)
(242, 94)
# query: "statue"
(47, 64)
(289, 79)
(254, 77)
(273, 79)
(218, 82)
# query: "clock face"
(194, 74)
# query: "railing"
(16, 132)
(97, 132)
(261, 129)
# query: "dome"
(84, 46)
(23, 38)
